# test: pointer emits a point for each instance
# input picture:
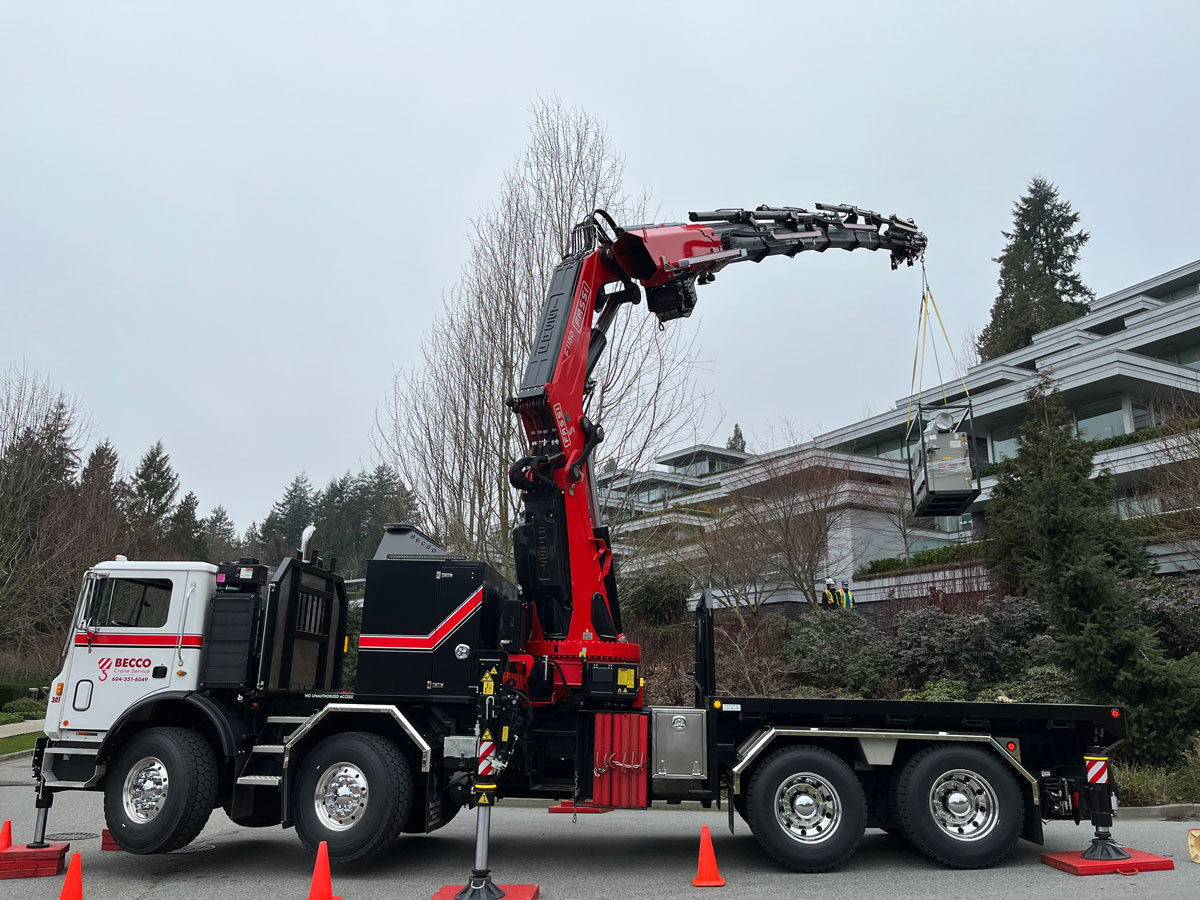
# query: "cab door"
(124, 646)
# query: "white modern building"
(1116, 366)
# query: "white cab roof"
(140, 566)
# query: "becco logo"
(125, 669)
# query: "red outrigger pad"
(18, 861)
(568, 807)
(1138, 861)
(107, 841)
(511, 891)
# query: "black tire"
(834, 796)
(378, 783)
(160, 790)
(982, 828)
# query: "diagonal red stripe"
(429, 641)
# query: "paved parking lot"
(614, 855)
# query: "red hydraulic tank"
(621, 755)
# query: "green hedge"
(11, 718)
(27, 707)
(923, 559)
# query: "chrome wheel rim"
(964, 805)
(341, 796)
(807, 808)
(145, 791)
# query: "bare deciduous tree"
(41, 534)
(445, 426)
(771, 532)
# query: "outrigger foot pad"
(1105, 848)
(480, 887)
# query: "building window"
(1004, 443)
(1100, 420)
(1190, 357)
(1144, 415)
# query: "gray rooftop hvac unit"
(942, 474)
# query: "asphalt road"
(627, 855)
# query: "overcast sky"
(225, 225)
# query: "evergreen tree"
(293, 513)
(185, 533)
(1071, 554)
(736, 441)
(57, 439)
(151, 498)
(1039, 287)
(100, 471)
(1048, 439)
(221, 535)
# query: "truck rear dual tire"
(960, 806)
(160, 790)
(807, 808)
(353, 791)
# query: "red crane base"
(1138, 861)
(511, 891)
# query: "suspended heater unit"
(943, 476)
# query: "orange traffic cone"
(5, 835)
(73, 884)
(322, 887)
(706, 872)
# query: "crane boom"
(562, 550)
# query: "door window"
(130, 603)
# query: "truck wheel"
(960, 806)
(807, 808)
(160, 790)
(354, 792)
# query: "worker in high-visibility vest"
(845, 597)
(829, 598)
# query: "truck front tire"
(353, 791)
(160, 790)
(960, 806)
(807, 808)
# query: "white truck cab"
(137, 631)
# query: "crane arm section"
(563, 554)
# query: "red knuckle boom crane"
(562, 548)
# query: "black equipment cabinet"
(426, 616)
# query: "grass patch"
(18, 742)
(1154, 785)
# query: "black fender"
(198, 702)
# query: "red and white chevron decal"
(487, 749)
(429, 641)
(1097, 769)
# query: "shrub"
(655, 599)
(843, 653)
(931, 644)
(27, 707)
(942, 689)
(1171, 607)
(1037, 684)
(11, 718)
(1151, 785)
